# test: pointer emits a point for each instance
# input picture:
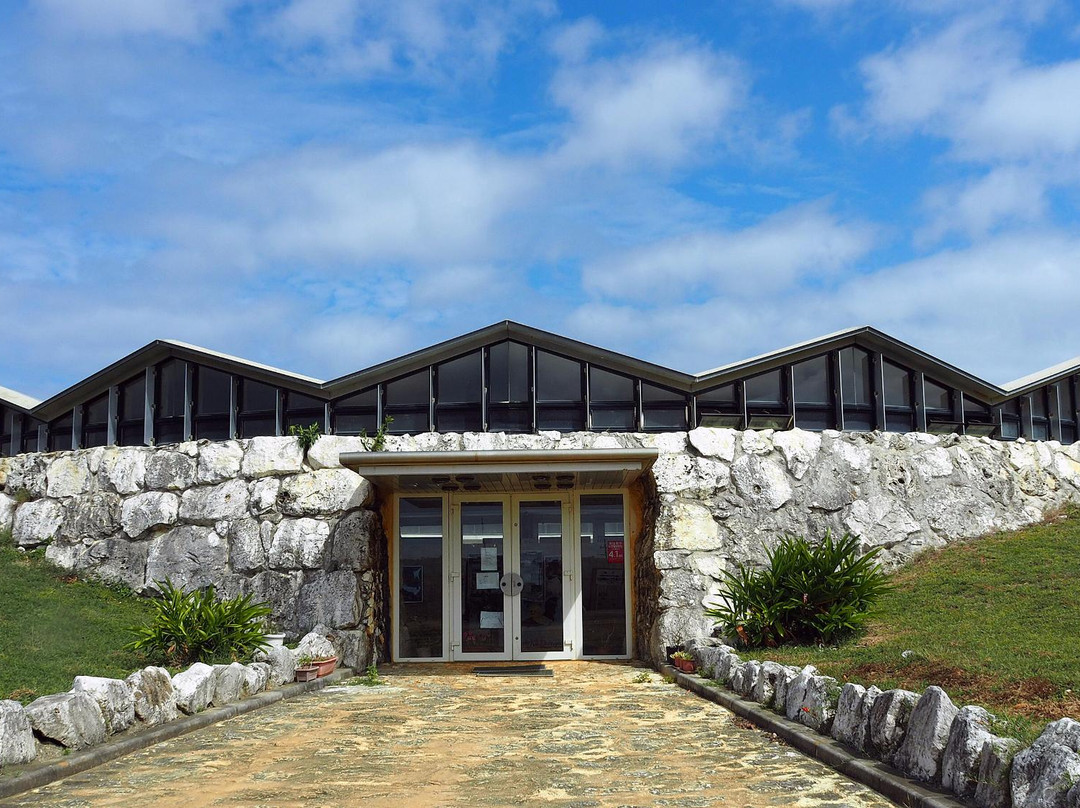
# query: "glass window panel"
(508, 370)
(168, 432)
(975, 407)
(812, 381)
(465, 419)
(542, 605)
(96, 412)
(1011, 407)
(897, 386)
(617, 418)
(299, 401)
(213, 392)
(132, 403)
(212, 427)
(1068, 434)
(257, 397)
(365, 398)
(937, 396)
(504, 418)
(170, 389)
(557, 379)
(858, 421)
(481, 528)
(651, 394)
(459, 380)
(1040, 430)
(257, 426)
(814, 419)
(719, 395)
(1068, 398)
(671, 419)
(60, 434)
(411, 390)
(563, 419)
(607, 386)
(420, 577)
(1010, 428)
(354, 424)
(603, 575)
(765, 389)
(1038, 404)
(899, 421)
(856, 376)
(408, 423)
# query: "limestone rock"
(705, 658)
(71, 719)
(726, 666)
(192, 557)
(169, 471)
(282, 663)
(123, 469)
(264, 494)
(1043, 774)
(299, 544)
(327, 449)
(228, 683)
(354, 648)
(314, 644)
(247, 545)
(851, 724)
(744, 678)
(927, 735)
(351, 540)
(795, 695)
(37, 522)
(970, 732)
(153, 696)
(256, 676)
(219, 461)
(113, 696)
(90, 516)
(7, 512)
(267, 456)
(761, 482)
(765, 685)
(68, 475)
(784, 678)
(687, 526)
(819, 703)
(889, 718)
(16, 735)
(710, 442)
(327, 491)
(194, 688)
(995, 763)
(331, 598)
(144, 511)
(210, 504)
(799, 448)
(757, 441)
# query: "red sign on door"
(615, 551)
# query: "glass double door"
(512, 578)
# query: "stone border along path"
(37, 775)
(883, 779)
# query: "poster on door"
(615, 551)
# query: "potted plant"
(683, 661)
(325, 664)
(305, 669)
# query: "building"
(526, 552)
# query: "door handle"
(511, 584)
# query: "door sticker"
(615, 551)
(487, 580)
(491, 619)
(489, 559)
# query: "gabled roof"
(863, 336)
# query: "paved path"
(438, 735)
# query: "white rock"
(726, 666)
(932, 463)
(282, 663)
(819, 703)
(780, 690)
(765, 685)
(799, 448)
(879, 516)
(264, 493)
(970, 732)
(113, 696)
(757, 442)
(16, 735)
(123, 469)
(794, 693)
(228, 683)
(71, 719)
(219, 461)
(248, 540)
(314, 644)
(687, 526)
(207, 505)
(927, 736)
(144, 511)
(68, 475)
(194, 688)
(299, 544)
(761, 482)
(267, 456)
(192, 557)
(153, 696)
(326, 491)
(36, 522)
(169, 470)
(856, 456)
(851, 724)
(328, 448)
(993, 790)
(745, 677)
(889, 718)
(7, 512)
(256, 676)
(1043, 774)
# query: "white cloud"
(805, 242)
(973, 208)
(171, 19)
(656, 107)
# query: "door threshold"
(513, 670)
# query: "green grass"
(995, 621)
(54, 627)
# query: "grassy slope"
(994, 621)
(54, 627)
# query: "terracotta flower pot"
(325, 666)
(686, 665)
(306, 673)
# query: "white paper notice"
(487, 580)
(491, 619)
(489, 558)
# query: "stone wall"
(246, 516)
(301, 532)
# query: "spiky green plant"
(807, 593)
(196, 627)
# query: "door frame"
(456, 584)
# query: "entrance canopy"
(502, 472)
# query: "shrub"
(193, 626)
(806, 594)
(305, 435)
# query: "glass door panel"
(483, 544)
(603, 575)
(420, 578)
(542, 603)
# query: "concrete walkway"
(438, 735)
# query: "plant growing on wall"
(193, 626)
(305, 435)
(377, 442)
(807, 593)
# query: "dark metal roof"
(863, 336)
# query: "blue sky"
(324, 184)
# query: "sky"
(321, 185)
